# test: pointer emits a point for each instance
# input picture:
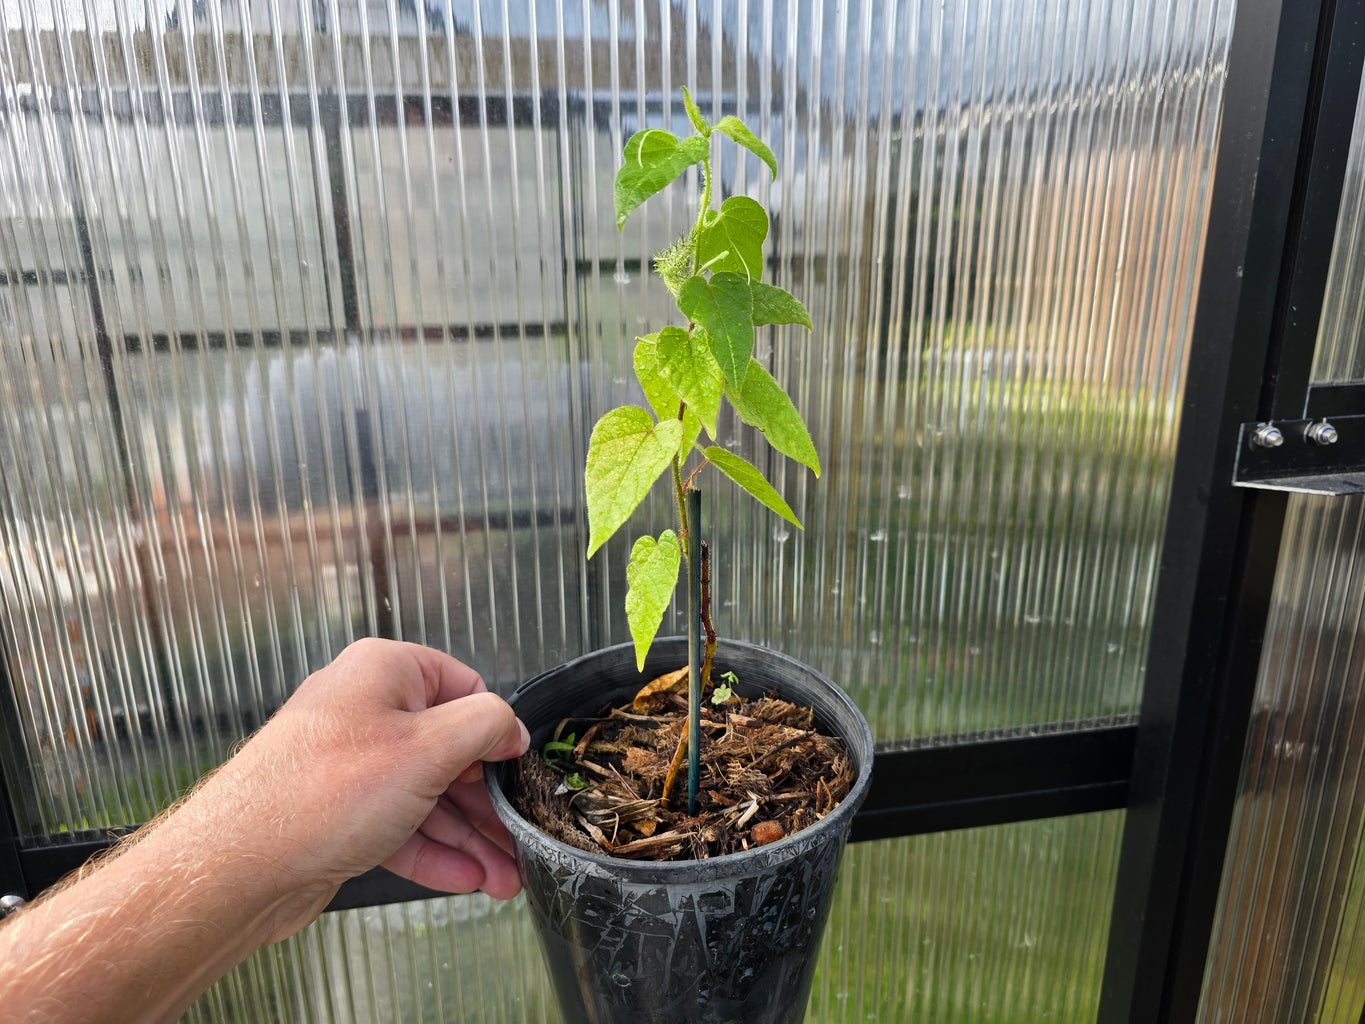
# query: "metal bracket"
(1312, 456)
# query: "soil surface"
(765, 773)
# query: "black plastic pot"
(728, 939)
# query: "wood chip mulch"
(765, 773)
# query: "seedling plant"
(687, 372)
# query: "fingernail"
(525, 736)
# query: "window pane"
(993, 924)
(188, 211)
(1287, 943)
(1340, 354)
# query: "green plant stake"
(688, 373)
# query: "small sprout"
(557, 750)
(575, 781)
(723, 692)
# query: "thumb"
(467, 730)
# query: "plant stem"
(705, 205)
(710, 657)
(680, 492)
(689, 520)
(694, 648)
(680, 489)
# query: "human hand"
(376, 759)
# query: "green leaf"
(626, 454)
(724, 307)
(694, 115)
(686, 363)
(662, 398)
(739, 131)
(653, 158)
(761, 403)
(658, 392)
(772, 305)
(731, 238)
(747, 476)
(651, 576)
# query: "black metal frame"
(13, 878)
(1294, 75)
(1293, 78)
(915, 790)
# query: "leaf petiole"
(713, 261)
(693, 475)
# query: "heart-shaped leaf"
(653, 158)
(626, 454)
(731, 238)
(747, 476)
(724, 307)
(739, 131)
(761, 403)
(651, 577)
(686, 363)
(773, 305)
(660, 394)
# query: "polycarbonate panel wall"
(1340, 354)
(308, 309)
(1288, 944)
(993, 926)
(1289, 938)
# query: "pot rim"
(688, 871)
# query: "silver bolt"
(9, 903)
(1266, 435)
(1322, 433)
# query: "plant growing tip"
(688, 372)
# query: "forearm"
(142, 934)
